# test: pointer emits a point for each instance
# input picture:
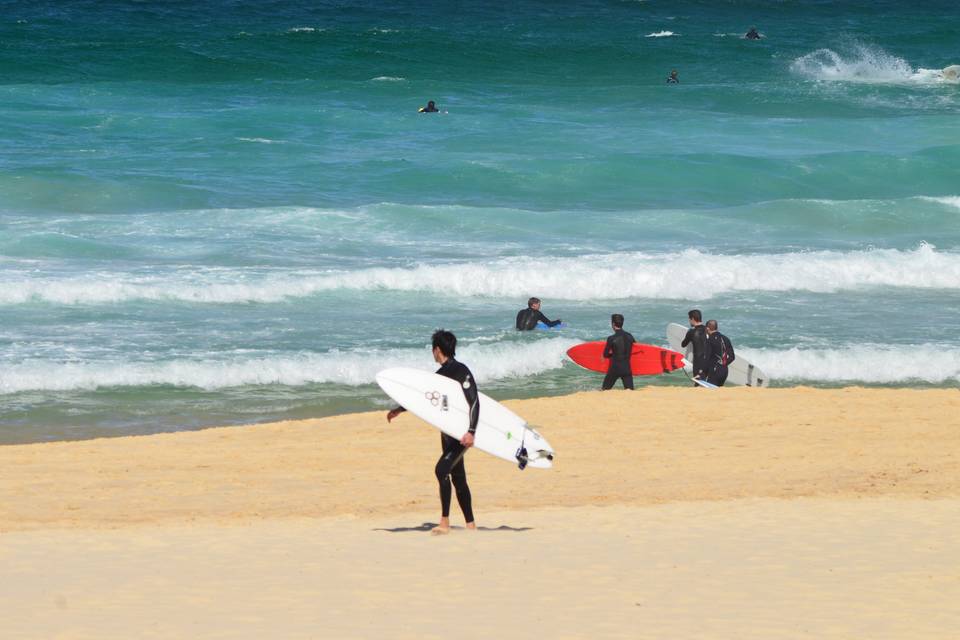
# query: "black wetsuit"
(619, 349)
(673, 80)
(719, 356)
(450, 465)
(698, 336)
(528, 318)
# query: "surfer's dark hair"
(712, 325)
(532, 301)
(694, 314)
(617, 320)
(445, 341)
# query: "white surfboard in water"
(741, 371)
(440, 402)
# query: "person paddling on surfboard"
(430, 108)
(450, 465)
(528, 318)
(697, 335)
(719, 354)
(619, 349)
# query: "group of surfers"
(712, 353)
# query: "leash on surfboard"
(523, 457)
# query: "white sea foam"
(388, 79)
(868, 65)
(261, 140)
(950, 201)
(637, 275)
(303, 30)
(488, 362)
(869, 363)
(661, 34)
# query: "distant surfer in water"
(619, 348)
(697, 336)
(430, 108)
(672, 78)
(528, 318)
(719, 354)
(753, 34)
(450, 465)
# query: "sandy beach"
(780, 513)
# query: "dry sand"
(671, 513)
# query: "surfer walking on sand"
(450, 465)
(528, 318)
(697, 335)
(619, 348)
(719, 354)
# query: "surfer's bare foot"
(471, 526)
(441, 529)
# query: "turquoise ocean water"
(227, 212)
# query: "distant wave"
(487, 361)
(868, 65)
(387, 79)
(869, 363)
(950, 201)
(661, 34)
(685, 275)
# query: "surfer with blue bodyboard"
(450, 465)
(529, 318)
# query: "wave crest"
(684, 275)
(868, 65)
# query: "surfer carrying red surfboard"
(619, 349)
(450, 465)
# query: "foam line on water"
(687, 274)
(869, 363)
(488, 362)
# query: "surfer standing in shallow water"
(450, 465)
(619, 348)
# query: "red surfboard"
(645, 360)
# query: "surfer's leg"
(452, 454)
(627, 381)
(608, 381)
(459, 477)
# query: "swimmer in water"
(673, 79)
(430, 108)
(753, 34)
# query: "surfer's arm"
(733, 356)
(608, 350)
(687, 338)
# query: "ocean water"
(226, 212)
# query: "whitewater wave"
(388, 79)
(950, 201)
(497, 361)
(662, 34)
(868, 65)
(870, 363)
(631, 275)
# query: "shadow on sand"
(426, 526)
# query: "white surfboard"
(440, 402)
(741, 371)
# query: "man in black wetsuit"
(719, 354)
(528, 318)
(450, 465)
(619, 349)
(753, 34)
(672, 78)
(430, 108)
(697, 335)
